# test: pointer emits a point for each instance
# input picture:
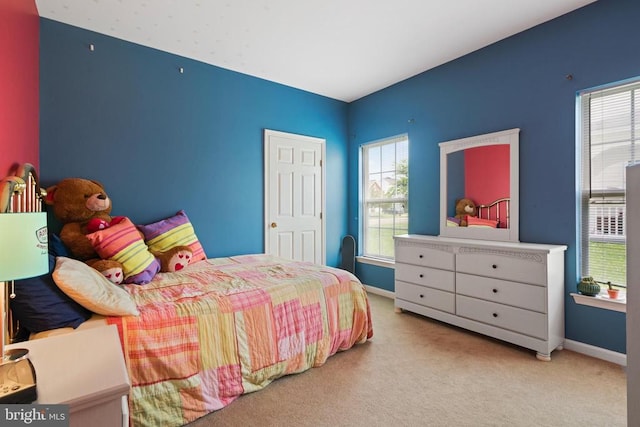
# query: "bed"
(491, 215)
(197, 339)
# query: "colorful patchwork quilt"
(223, 327)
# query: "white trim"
(267, 134)
(389, 263)
(382, 292)
(510, 137)
(363, 172)
(383, 141)
(597, 352)
(601, 301)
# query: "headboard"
(20, 191)
(497, 210)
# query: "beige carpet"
(419, 372)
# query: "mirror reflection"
(479, 187)
(480, 175)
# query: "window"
(610, 133)
(385, 183)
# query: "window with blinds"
(610, 133)
(385, 184)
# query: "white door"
(294, 196)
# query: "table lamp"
(23, 254)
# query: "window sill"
(376, 261)
(602, 301)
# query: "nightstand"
(85, 370)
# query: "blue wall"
(161, 141)
(518, 82)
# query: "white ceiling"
(343, 49)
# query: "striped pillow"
(170, 232)
(122, 242)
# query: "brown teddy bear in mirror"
(464, 208)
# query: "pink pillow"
(122, 242)
(473, 221)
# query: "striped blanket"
(228, 326)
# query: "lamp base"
(18, 382)
(14, 354)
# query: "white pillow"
(91, 289)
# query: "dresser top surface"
(480, 243)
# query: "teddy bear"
(84, 208)
(465, 207)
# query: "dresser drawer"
(440, 300)
(527, 268)
(502, 316)
(531, 297)
(426, 256)
(425, 276)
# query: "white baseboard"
(577, 346)
(378, 291)
(597, 352)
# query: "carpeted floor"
(419, 372)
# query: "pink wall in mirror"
(487, 174)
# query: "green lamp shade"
(23, 245)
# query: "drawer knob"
(495, 291)
(495, 314)
(421, 276)
(421, 256)
(494, 266)
(421, 296)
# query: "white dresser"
(510, 291)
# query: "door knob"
(274, 225)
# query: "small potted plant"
(588, 286)
(613, 293)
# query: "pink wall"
(487, 174)
(19, 86)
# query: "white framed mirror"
(484, 169)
